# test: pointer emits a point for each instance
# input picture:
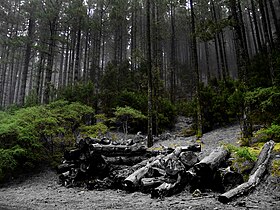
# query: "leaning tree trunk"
(255, 177)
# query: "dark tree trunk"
(196, 72)
(150, 78)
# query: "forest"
(72, 68)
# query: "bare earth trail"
(41, 191)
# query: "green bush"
(242, 152)
(80, 92)
(97, 130)
(128, 115)
(39, 131)
(264, 104)
(272, 132)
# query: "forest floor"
(41, 191)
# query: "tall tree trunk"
(150, 79)
(172, 56)
(77, 59)
(268, 23)
(196, 72)
(242, 59)
(274, 16)
(264, 25)
(50, 61)
(31, 29)
(206, 47)
(256, 25)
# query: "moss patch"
(275, 170)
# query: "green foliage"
(264, 104)
(80, 92)
(97, 130)
(166, 113)
(217, 103)
(10, 160)
(126, 114)
(38, 130)
(266, 134)
(242, 152)
(275, 170)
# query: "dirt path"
(41, 191)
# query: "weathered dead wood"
(254, 179)
(64, 167)
(117, 150)
(125, 160)
(170, 163)
(169, 188)
(202, 174)
(147, 184)
(226, 179)
(188, 158)
(211, 162)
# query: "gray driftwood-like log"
(254, 179)
(170, 163)
(188, 158)
(169, 188)
(211, 162)
(147, 184)
(202, 175)
(117, 150)
(125, 160)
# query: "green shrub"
(97, 130)
(80, 92)
(242, 152)
(272, 132)
(10, 160)
(39, 131)
(127, 114)
(264, 104)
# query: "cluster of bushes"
(220, 104)
(36, 135)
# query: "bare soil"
(41, 191)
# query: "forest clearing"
(139, 104)
(42, 191)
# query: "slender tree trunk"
(150, 79)
(50, 61)
(196, 72)
(242, 59)
(257, 30)
(31, 30)
(77, 59)
(268, 23)
(274, 16)
(206, 47)
(173, 56)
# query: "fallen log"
(254, 179)
(168, 189)
(170, 163)
(147, 184)
(188, 158)
(117, 150)
(226, 179)
(125, 160)
(202, 175)
(211, 162)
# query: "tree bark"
(196, 72)
(150, 79)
